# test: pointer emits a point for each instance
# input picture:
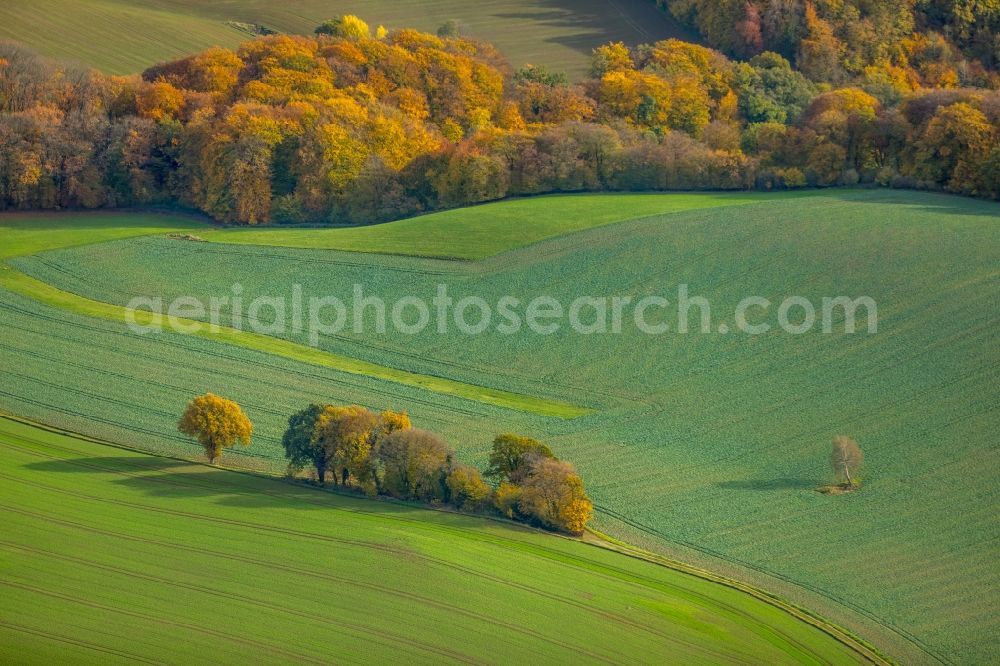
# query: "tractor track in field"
(803, 357)
(130, 427)
(98, 419)
(569, 391)
(832, 387)
(253, 364)
(215, 248)
(762, 570)
(554, 556)
(747, 239)
(314, 574)
(260, 381)
(257, 364)
(52, 636)
(442, 564)
(378, 635)
(801, 360)
(238, 640)
(156, 433)
(370, 377)
(183, 391)
(821, 431)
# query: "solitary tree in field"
(217, 424)
(846, 458)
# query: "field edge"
(591, 537)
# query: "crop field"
(182, 560)
(127, 36)
(479, 232)
(705, 446)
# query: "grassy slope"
(124, 36)
(69, 302)
(29, 233)
(483, 231)
(108, 553)
(23, 235)
(716, 441)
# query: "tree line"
(351, 126)
(383, 454)
(939, 42)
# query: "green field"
(705, 447)
(483, 231)
(112, 555)
(127, 36)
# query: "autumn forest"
(358, 125)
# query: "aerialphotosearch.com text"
(361, 312)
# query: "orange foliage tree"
(217, 424)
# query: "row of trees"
(383, 454)
(350, 126)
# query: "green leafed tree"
(300, 444)
(512, 454)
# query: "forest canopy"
(354, 125)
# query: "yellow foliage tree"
(159, 101)
(217, 424)
(576, 513)
(613, 57)
(506, 497)
(392, 421)
(347, 26)
(452, 130)
(639, 97)
(346, 434)
(466, 487)
(215, 70)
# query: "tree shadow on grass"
(640, 20)
(255, 492)
(769, 484)
(940, 203)
(167, 478)
(179, 484)
(111, 464)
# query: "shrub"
(466, 488)
(552, 495)
(506, 498)
(885, 176)
(793, 177)
(413, 465)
